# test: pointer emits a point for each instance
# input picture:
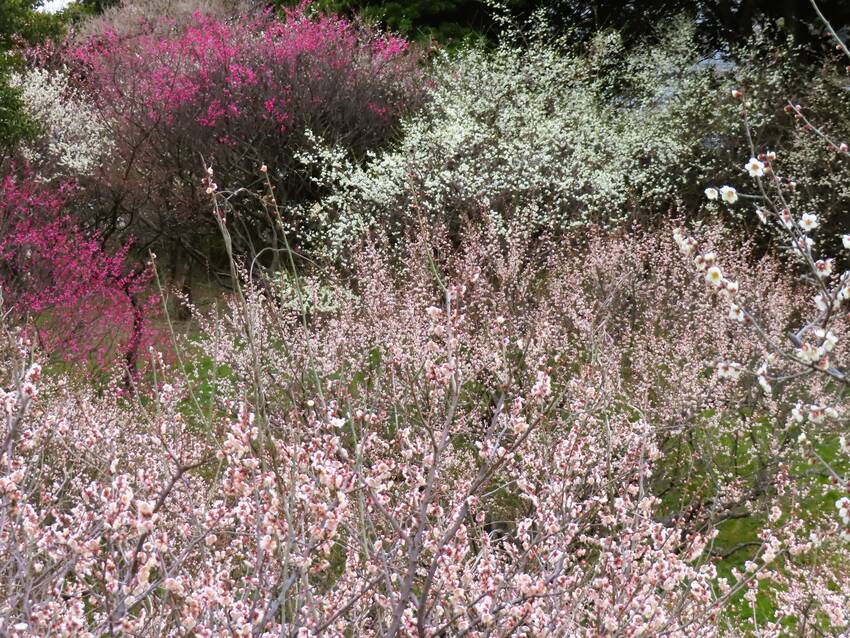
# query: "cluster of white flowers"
(728, 370)
(707, 263)
(843, 507)
(816, 342)
(817, 355)
(73, 140)
(727, 193)
(529, 137)
(816, 414)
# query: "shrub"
(20, 25)
(235, 95)
(72, 141)
(443, 452)
(79, 301)
(534, 138)
(540, 136)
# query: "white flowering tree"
(809, 363)
(72, 140)
(531, 137)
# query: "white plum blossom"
(803, 244)
(729, 194)
(711, 193)
(816, 414)
(843, 507)
(74, 140)
(728, 370)
(736, 313)
(827, 337)
(807, 353)
(845, 239)
(714, 276)
(823, 267)
(754, 167)
(808, 222)
(687, 246)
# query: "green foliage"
(20, 25)
(720, 24)
(80, 10)
(14, 124)
(444, 20)
(448, 22)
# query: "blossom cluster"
(233, 93)
(526, 136)
(507, 420)
(455, 457)
(80, 300)
(816, 342)
(73, 140)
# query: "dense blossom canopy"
(528, 340)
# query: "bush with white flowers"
(534, 138)
(73, 140)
